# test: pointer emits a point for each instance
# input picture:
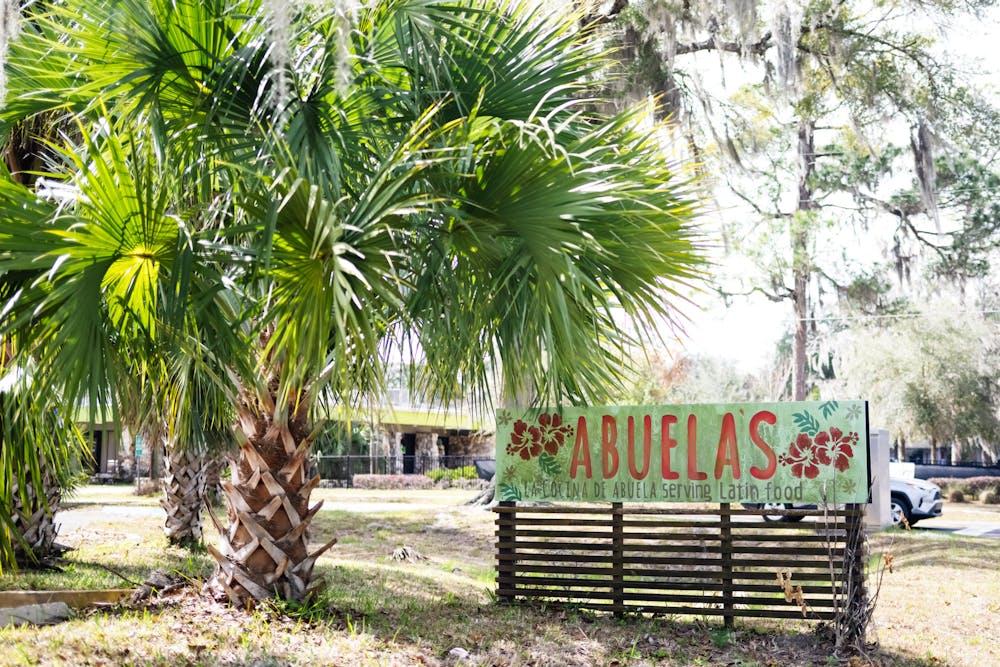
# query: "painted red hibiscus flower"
(804, 457)
(525, 441)
(548, 436)
(837, 447)
(554, 433)
(806, 454)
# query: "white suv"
(912, 499)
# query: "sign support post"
(507, 534)
(726, 555)
(617, 559)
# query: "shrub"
(392, 482)
(989, 497)
(453, 474)
(956, 496)
(970, 486)
(977, 485)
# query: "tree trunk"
(801, 266)
(183, 496)
(487, 497)
(34, 521)
(263, 552)
(213, 477)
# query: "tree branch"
(757, 48)
(906, 222)
(774, 215)
(601, 18)
(776, 296)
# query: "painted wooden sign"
(793, 452)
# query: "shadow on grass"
(942, 550)
(398, 604)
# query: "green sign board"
(801, 452)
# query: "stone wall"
(427, 448)
(472, 445)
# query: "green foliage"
(230, 234)
(967, 188)
(453, 474)
(39, 446)
(420, 186)
(340, 439)
(929, 375)
(821, 108)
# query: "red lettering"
(581, 450)
(772, 460)
(666, 444)
(728, 453)
(609, 455)
(647, 446)
(693, 472)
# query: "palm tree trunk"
(183, 496)
(34, 520)
(263, 552)
(213, 477)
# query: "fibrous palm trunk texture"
(263, 551)
(34, 520)
(183, 496)
(214, 468)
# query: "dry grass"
(940, 606)
(941, 603)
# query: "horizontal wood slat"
(791, 612)
(832, 527)
(673, 574)
(706, 586)
(551, 593)
(649, 536)
(721, 561)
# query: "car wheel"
(899, 510)
(777, 518)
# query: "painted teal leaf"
(509, 492)
(828, 408)
(549, 465)
(806, 423)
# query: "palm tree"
(432, 176)
(40, 452)
(166, 397)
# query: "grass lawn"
(940, 605)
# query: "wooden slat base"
(728, 562)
